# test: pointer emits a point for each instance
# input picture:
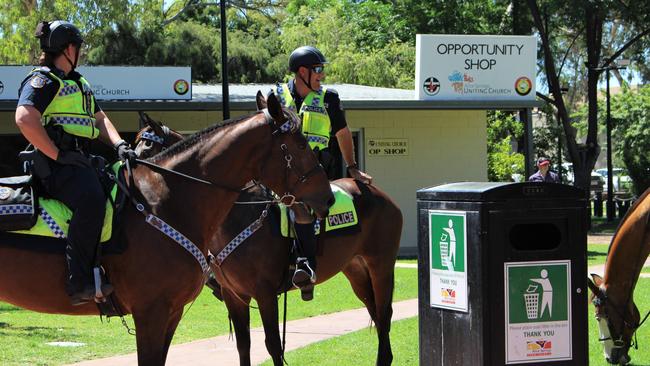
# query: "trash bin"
(502, 274)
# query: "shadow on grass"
(7, 307)
(41, 332)
(600, 225)
(596, 256)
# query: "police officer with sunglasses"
(322, 116)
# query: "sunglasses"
(318, 69)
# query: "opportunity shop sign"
(466, 67)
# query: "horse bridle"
(287, 199)
(599, 301)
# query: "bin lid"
(499, 191)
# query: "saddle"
(22, 211)
(18, 203)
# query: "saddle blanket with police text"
(54, 217)
(342, 214)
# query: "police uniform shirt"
(333, 105)
(38, 90)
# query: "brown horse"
(257, 268)
(155, 277)
(617, 315)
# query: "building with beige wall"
(443, 141)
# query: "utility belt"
(67, 142)
(42, 166)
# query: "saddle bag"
(18, 204)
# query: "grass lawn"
(24, 334)
(361, 346)
(596, 254)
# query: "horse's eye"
(148, 143)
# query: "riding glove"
(72, 158)
(125, 152)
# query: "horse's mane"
(628, 213)
(196, 138)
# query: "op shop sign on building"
(462, 67)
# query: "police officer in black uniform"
(323, 117)
(58, 114)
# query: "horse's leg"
(151, 332)
(239, 314)
(382, 276)
(268, 305)
(357, 273)
(172, 324)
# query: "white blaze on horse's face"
(605, 337)
(143, 148)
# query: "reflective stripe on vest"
(316, 124)
(72, 108)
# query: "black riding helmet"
(305, 56)
(55, 36)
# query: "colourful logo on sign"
(448, 295)
(181, 86)
(539, 348)
(431, 86)
(523, 86)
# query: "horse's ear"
(261, 101)
(275, 109)
(142, 120)
(597, 279)
(156, 126)
(594, 285)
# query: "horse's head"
(154, 137)
(304, 176)
(618, 319)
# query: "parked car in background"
(620, 179)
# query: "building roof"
(242, 97)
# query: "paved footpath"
(223, 351)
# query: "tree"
(20, 17)
(632, 115)
(503, 163)
(586, 20)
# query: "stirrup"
(304, 274)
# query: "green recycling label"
(448, 259)
(538, 311)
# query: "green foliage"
(631, 110)
(374, 57)
(19, 19)
(503, 128)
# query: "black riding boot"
(305, 275)
(79, 282)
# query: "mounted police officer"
(58, 114)
(322, 116)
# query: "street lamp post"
(610, 176)
(610, 180)
(225, 100)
